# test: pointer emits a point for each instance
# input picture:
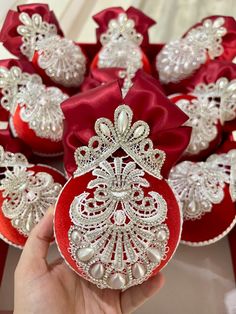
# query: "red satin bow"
(148, 104)
(142, 21)
(10, 38)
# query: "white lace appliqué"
(40, 108)
(119, 235)
(133, 139)
(62, 60)
(27, 195)
(200, 185)
(33, 30)
(203, 118)
(223, 94)
(10, 82)
(179, 59)
(121, 44)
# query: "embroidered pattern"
(120, 38)
(62, 60)
(32, 30)
(119, 235)
(179, 59)
(223, 93)
(200, 185)
(27, 195)
(203, 118)
(40, 108)
(10, 82)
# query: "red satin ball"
(39, 145)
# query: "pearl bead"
(117, 281)
(75, 236)
(138, 270)
(154, 255)
(97, 271)
(85, 254)
(161, 235)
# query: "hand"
(42, 288)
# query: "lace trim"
(62, 60)
(10, 82)
(200, 185)
(118, 235)
(40, 108)
(27, 194)
(223, 94)
(33, 30)
(133, 139)
(121, 37)
(180, 58)
(203, 118)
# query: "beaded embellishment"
(200, 185)
(121, 44)
(27, 194)
(40, 108)
(180, 58)
(119, 236)
(62, 60)
(10, 82)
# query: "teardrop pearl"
(154, 255)
(104, 129)
(138, 270)
(97, 271)
(85, 254)
(75, 236)
(25, 19)
(161, 235)
(122, 121)
(139, 131)
(117, 281)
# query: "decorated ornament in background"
(35, 113)
(207, 196)
(26, 192)
(34, 33)
(211, 107)
(213, 38)
(117, 221)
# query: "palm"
(54, 288)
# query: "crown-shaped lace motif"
(132, 138)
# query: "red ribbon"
(148, 103)
(10, 38)
(142, 21)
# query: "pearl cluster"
(200, 185)
(180, 58)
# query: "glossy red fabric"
(6, 229)
(10, 38)
(148, 104)
(36, 143)
(75, 186)
(142, 21)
